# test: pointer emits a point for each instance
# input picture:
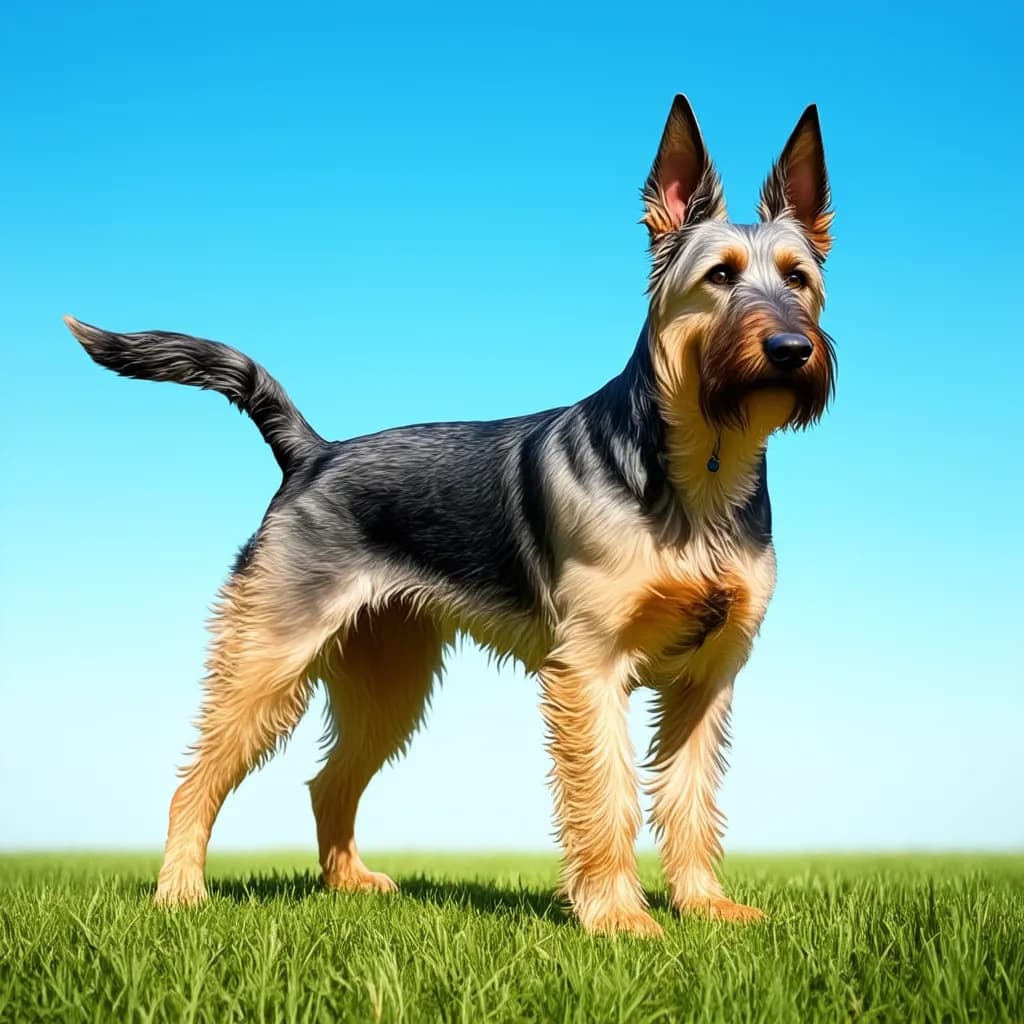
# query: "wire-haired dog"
(621, 541)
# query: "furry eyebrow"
(792, 259)
(735, 256)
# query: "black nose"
(788, 351)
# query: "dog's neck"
(709, 496)
(652, 436)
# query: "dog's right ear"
(683, 186)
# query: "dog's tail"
(159, 355)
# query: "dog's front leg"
(687, 757)
(595, 789)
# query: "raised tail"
(159, 355)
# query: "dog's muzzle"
(788, 351)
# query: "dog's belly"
(521, 637)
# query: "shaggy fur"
(623, 541)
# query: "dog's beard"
(764, 405)
(740, 390)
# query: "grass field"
(479, 938)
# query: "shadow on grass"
(471, 894)
(484, 897)
(264, 888)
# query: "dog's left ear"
(798, 184)
(683, 186)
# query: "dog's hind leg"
(379, 675)
(257, 688)
(687, 757)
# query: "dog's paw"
(722, 909)
(377, 881)
(180, 892)
(360, 881)
(624, 922)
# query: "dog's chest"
(698, 614)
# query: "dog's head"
(735, 307)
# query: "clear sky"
(431, 214)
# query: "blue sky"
(431, 214)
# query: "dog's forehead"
(762, 237)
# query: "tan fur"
(788, 260)
(691, 439)
(256, 690)
(687, 756)
(736, 258)
(594, 783)
(657, 218)
(819, 231)
(378, 676)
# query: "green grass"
(479, 938)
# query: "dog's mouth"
(793, 385)
(777, 382)
(769, 402)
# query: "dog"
(620, 542)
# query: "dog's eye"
(721, 275)
(796, 279)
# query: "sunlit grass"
(480, 938)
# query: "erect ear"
(683, 186)
(798, 184)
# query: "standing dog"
(621, 541)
